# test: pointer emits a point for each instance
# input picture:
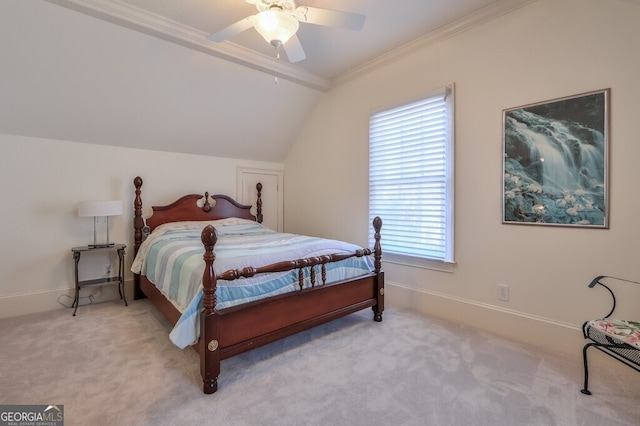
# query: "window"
(411, 178)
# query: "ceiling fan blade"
(233, 29)
(331, 18)
(294, 49)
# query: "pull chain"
(275, 76)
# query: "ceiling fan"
(277, 21)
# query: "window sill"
(418, 262)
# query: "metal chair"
(620, 339)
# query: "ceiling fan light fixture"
(275, 26)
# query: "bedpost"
(138, 224)
(259, 203)
(377, 264)
(209, 321)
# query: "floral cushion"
(625, 331)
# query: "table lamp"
(99, 209)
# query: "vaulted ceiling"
(141, 73)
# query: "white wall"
(41, 183)
(546, 50)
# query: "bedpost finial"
(137, 182)
(377, 223)
(209, 237)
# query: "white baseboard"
(44, 301)
(519, 326)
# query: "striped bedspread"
(171, 258)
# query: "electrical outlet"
(503, 292)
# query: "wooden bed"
(231, 331)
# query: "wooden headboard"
(191, 207)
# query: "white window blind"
(411, 177)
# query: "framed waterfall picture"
(555, 169)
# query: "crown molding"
(137, 19)
(126, 15)
(485, 14)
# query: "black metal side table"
(119, 279)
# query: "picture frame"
(555, 162)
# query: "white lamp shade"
(100, 208)
(276, 26)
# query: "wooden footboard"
(237, 329)
(230, 331)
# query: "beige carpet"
(114, 365)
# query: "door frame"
(241, 171)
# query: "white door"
(272, 194)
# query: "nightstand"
(119, 279)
